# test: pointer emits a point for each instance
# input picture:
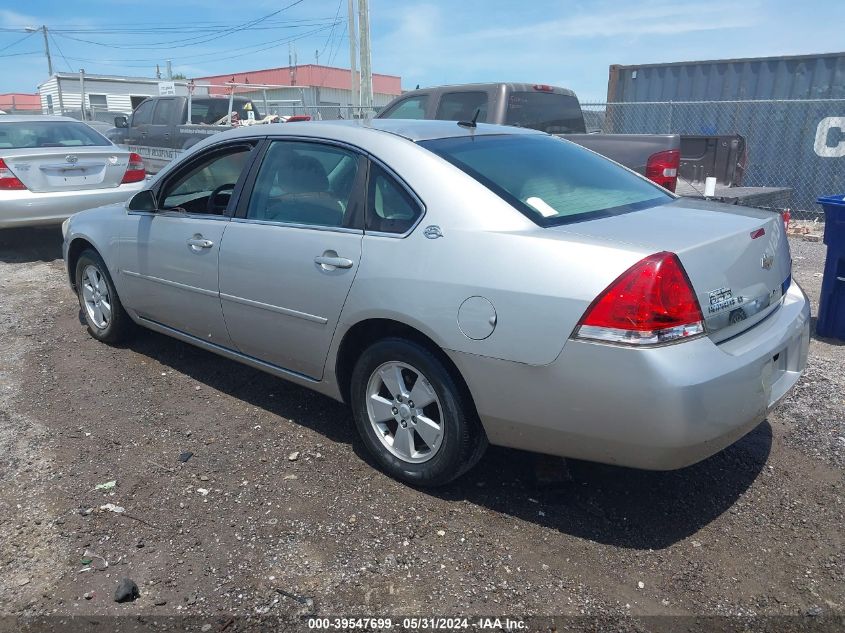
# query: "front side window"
(165, 113)
(390, 208)
(143, 113)
(49, 134)
(207, 185)
(462, 106)
(410, 108)
(305, 183)
(549, 180)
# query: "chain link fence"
(320, 112)
(797, 144)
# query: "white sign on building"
(166, 89)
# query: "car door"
(135, 135)
(289, 258)
(161, 132)
(169, 257)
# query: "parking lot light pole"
(43, 29)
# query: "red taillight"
(543, 88)
(662, 168)
(134, 170)
(651, 302)
(7, 179)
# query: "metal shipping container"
(791, 110)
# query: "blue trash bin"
(830, 322)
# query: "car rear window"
(24, 134)
(548, 112)
(548, 179)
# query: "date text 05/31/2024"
(417, 623)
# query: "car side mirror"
(121, 121)
(142, 201)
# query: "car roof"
(515, 86)
(22, 118)
(410, 129)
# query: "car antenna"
(471, 124)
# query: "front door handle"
(330, 261)
(198, 243)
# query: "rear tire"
(104, 315)
(429, 442)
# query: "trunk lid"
(67, 168)
(737, 258)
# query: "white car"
(51, 167)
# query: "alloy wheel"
(405, 412)
(95, 296)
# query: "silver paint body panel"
(534, 386)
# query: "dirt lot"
(754, 530)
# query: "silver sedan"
(51, 167)
(457, 285)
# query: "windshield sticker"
(542, 206)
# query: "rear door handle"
(197, 243)
(330, 261)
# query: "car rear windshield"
(550, 180)
(24, 134)
(548, 112)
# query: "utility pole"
(43, 29)
(366, 59)
(169, 73)
(353, 57)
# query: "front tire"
(415, 419)
(104, 315)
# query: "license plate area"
(773, 371)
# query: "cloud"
(13, 19)
(433, 44)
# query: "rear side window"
(550, 180)
(390, 208)
(548, 112)
(410, 108)
(49, 134)
(305, 183)
(462, 106)
(143, 113)
(165, 113)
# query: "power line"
(17, 41)
(22, 54)
(59, 48)
(182, 42)
(272, 44)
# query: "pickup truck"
(160, 129)
(546, 108)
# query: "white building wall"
(118, 92)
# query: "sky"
(564, 43)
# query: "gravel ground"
(278, 512)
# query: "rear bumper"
(26, 208)
(658, 409)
